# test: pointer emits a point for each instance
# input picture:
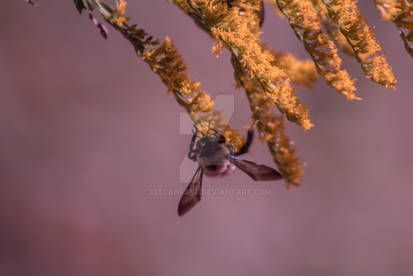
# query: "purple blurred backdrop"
(87, 130)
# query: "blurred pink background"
(87, 130)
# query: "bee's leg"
(248, 142)
(231, 149)
(192, 155)
(192, 151)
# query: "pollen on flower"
(165, 60)
(202, 102)
(268, 77)
(270, 127)
(367, 50)
(306, 23)
(242, 40)
(389, 8)
(216, 49)
(332, 29)
(401, 13)
(118, 14)
(302, 72)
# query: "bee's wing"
(192, 194)
(257, 171)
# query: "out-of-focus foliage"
(401, 13)
(345, 14)
(307, 25)
(266, 75)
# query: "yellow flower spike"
(202, 102)
(346, 15)
(300, 72)
(165, 60)
(401, 13)
(267, 75)
(389, 8)
(306, 23)
(237, 29)
(270, 127)
(331, 29)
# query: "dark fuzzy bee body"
(216, 157)
(213, 157)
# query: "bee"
(216, 157)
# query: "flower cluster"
(165, 60)
(401, 13)
(270, 126)
(267, 76)
(307, 25)
(367, 50)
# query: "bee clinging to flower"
(216, 157)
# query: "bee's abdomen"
(219, 169)
(214, 168)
